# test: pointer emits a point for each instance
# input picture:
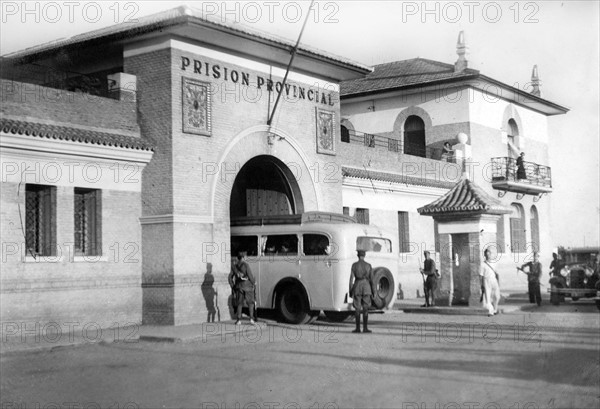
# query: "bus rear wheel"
(293, 306)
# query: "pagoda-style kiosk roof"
(467, 217)
(464, 199)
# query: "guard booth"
(466, 217)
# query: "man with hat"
(534, 274)
(242, 283)
(361, 289)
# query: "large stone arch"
(254, 142)
(265, 186)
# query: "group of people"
(362, 288)
(490, 287)
(243, 285)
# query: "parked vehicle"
(302, 262)
(577, 281)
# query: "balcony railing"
(505, 175)
(396, 145)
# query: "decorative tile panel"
(196, 107)
(325, 131)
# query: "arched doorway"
(265, 186)
(414, 136)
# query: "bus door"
(279, 259)
(317, 269)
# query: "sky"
(505, 40)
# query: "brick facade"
(188, 184)
(97, 291)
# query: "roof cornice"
(167, 22)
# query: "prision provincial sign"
(290, 90)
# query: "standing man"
(533, 279)
(489, 284)
(555, 267)
(429, 270)
(242, 281)
(361, 290)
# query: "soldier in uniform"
(361, 290)
(533, 279)
(429, 270)
(242, 283)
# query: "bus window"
(280, 244)
(249, 244)
(315, 245)
(374, 244)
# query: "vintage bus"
(302, 262)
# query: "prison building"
(127, 151)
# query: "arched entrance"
(414, 136)
(265, 186)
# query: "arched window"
(534, 223)
(512, 138)
(345, 133)
(414, 136)
(517, 229)
(500, 243)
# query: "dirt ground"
(547, 357)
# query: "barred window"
(362, 216)
(88, 222)
(403, 232)
(40, 220)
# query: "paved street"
(543, 358)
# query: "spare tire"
(384, 286)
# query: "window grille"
(88, 218)
(40, 220)
(403, 232)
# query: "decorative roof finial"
(535, 82)
(462, 50)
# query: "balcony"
(537, 180)
(395, 145)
